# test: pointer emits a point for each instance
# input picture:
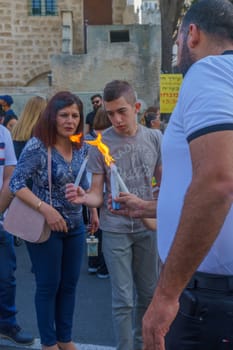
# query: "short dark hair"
(7, 99)
(46, 129)
(118, 88)
(213, 17)
(96, 96)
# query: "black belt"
(211, 281)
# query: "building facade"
(32, 30)
(44, 42)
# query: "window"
(36, 7)
(43, 7)
(117, 36)
(50, 7)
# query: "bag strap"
(49, 174)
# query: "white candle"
(80, 173)
(117, 185)
(114, 186)
(122, 185)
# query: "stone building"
(47, 45)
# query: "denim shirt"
(33, 164)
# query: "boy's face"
(122, 115)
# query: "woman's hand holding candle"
(74, 194)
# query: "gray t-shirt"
(136, 158)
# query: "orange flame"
(102, 148)
(76, 138)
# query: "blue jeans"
(57, 265)
(132, 262)
(7, 279)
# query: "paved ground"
(92, 328)
(9, 346)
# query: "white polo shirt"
(205, 105)
(7, 153)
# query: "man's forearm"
(5, 197)
(148, 208)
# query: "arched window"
(43, 7)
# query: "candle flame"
(102, 148)
(76, 138)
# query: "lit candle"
(116, 181)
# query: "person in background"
(9, 328)
(30, 115)
(6, 101)
(97, 265)
(10, 121)
(152, 118)
(97, 102)
(56, 262)
(130, 249)
(23, 130)
(192, 306)
(101, 121)
(2, 114)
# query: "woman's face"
(68, 120)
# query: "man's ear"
(193, 36)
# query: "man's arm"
(133, 206)
(206, 205)
(5, 194)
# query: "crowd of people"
(171, 278)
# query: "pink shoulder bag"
(26, 222)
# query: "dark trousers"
(56, 264)
(205, 318)
(7, 279)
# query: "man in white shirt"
(192, 307)
(9, 328)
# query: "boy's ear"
(137, 106)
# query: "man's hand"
(130, 205)
(94, 220)
(157, 320)
(133, 206)
(75, 194)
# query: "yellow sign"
(169, 91)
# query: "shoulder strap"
(49, 174)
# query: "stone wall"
(27, 42)
(137, 61)
(31, 47)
